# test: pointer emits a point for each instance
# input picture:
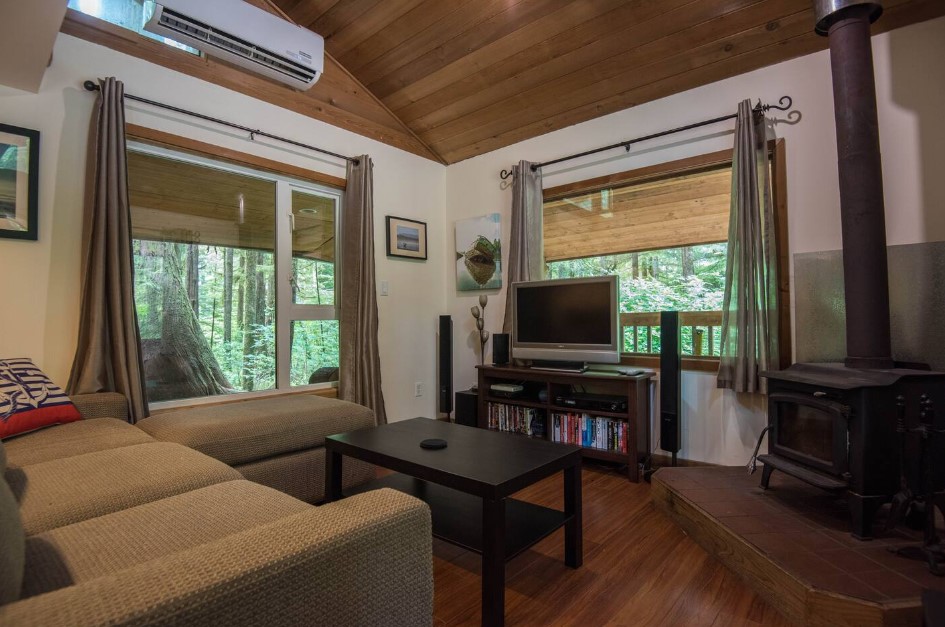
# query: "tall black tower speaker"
(500, 349)
(670, 373)
(445, 396)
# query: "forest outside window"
(663, 230)
(234, 276)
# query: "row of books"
(526, 420)
(606, 434)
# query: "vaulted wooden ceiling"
(468, 77)
(452, 79)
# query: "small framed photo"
(19, 182)
(406, 238)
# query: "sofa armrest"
(364, 560)
(102, 405)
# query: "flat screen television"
(571, 320)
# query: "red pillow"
(29, 400)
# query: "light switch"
(385, 288)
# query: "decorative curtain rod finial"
(784, 103)
(90, 86)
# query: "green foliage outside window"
(232, 299)
(691, 278)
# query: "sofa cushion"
(302, 474)
(11, 541)
(101, 405)
(29, 400)
(65, 491)
(244, 431)
(108, 544)
(75, 438)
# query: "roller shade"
(681, 210)
(176, 201)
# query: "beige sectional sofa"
(276, 442)
(102, 524)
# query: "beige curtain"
(750, 305)
(360, 370)
(108, 355)
(526, 251)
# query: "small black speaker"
(467, 408)
(446, 365)
(670, 373)
(500, 349)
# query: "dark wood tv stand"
(635, 389)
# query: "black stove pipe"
(846, 23)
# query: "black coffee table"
(467, 486)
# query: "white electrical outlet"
(418, 389)
(385, 288)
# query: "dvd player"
(507, 390)
(598, 402)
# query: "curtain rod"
(91, 86)
(759, 108)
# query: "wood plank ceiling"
(452, 79)
(467, 77)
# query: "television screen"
(565, 314)
(566, 319)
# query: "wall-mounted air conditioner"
(245, 35)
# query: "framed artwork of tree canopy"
(19, 182)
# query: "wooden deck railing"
(701, 333)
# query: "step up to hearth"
(792, 544)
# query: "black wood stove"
(841, 426)
(836, 428)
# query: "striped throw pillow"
(29, 400)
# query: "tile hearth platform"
(792, 544)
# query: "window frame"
(691, 165)
(286, 180)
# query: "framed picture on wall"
(478, 253)
(19, 182)
(406, 238)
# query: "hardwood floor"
(639, 569)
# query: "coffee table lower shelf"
(457, 516)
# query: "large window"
(234, 276)
(663, 230)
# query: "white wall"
(721, 427)
(39, 280)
